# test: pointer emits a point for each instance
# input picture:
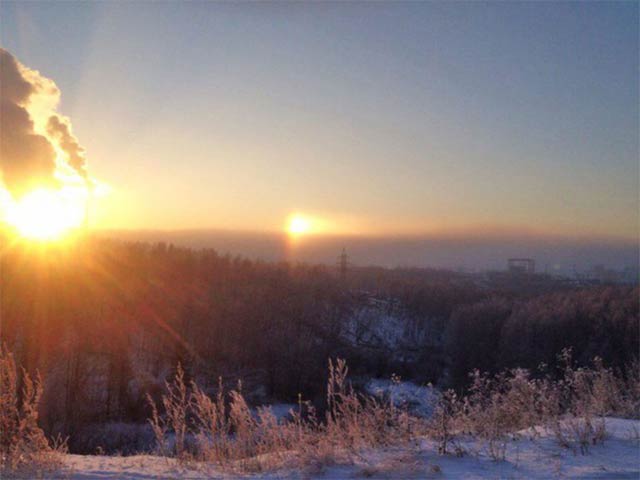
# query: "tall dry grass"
(225, 431)
(573, 407)
(24, 449)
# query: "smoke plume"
(60, 129)
(37, 146)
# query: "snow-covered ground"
(279, 410)
(526, 458)
(420, 400)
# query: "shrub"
(588, 395)
(498, 407)
(226, 431)
(445, 421)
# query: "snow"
(375, 328)
(420, 400)
(381, 324)
(137, 467)
(279, 410)
(528, 457)
(283, 410)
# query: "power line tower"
(343, 264)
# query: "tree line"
(106, 322)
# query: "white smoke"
(37, 145)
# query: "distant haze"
(554, 254)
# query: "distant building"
(521, 266)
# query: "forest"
(106, 323)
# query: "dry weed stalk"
(24, 448)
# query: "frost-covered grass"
(498, 415)
(509, 425)
(530, 455)
(228, 433)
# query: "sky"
(398, 119)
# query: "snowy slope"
(384, 325)
(419, 400)
(527, 458)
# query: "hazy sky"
(377, 117)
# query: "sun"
(46, 214)
(298, 225)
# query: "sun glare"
(47, 214)
(298, 225)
